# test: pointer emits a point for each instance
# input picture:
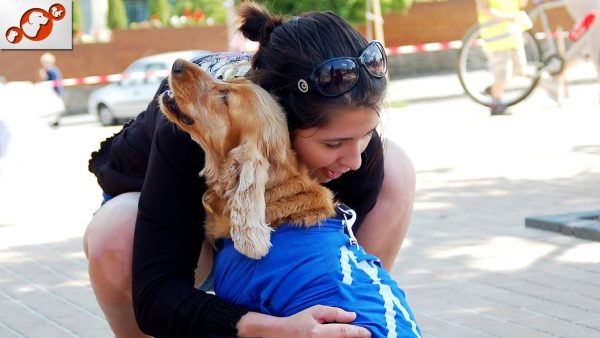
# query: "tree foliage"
(181, 6)
(159, 10)
(351, 10)
(209, 8)
(117, 17)
(213, 9)
(77, 25)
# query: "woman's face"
(332, 150)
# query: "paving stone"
(560, 328)
(435, 327)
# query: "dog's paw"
(253, 242)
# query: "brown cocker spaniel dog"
(255, 181)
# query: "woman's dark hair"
(290, 48)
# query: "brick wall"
(429, 22)
(108, 58)
(443, 20)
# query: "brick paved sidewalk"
(469, 266)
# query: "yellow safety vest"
(500, 36)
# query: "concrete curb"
(585, 225)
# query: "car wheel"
(105, 116)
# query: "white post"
(230, 21)
(368, 21)
(378, 22)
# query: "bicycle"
(542, 55)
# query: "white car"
(131, 95)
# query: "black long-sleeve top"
(151, 155)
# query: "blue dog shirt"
(316, 265)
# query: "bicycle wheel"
(476, 77)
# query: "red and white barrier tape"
(89, 80)
(406, 49)
(426, 47)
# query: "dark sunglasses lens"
(337, 76)
(374, 60)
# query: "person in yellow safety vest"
(502, 23)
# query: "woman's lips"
(332, 175)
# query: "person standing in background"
(49, 72)
(503, 43)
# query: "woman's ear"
(246, 178)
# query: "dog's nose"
(177, 67)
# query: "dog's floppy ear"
(246, 176)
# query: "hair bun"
(256, 22)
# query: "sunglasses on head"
(337, 76)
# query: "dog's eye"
(225, 97)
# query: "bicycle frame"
(551, 53)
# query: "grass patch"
(398, 104)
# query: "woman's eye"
(333, 145)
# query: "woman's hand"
(316, 321)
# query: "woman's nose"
(352, 158)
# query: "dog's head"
(242, 130)
(12, 35)
(227, 119)
(37, 18)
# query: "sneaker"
(499, 109)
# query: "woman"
(144, 246)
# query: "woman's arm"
(385, 226)
(168, 237)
